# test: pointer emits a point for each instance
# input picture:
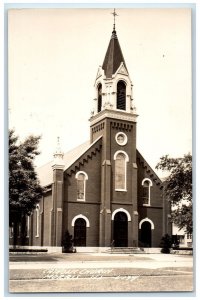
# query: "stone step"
(125, 250)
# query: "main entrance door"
(80, 232)
(146, 234)
(120, 233)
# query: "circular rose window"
(121, 138)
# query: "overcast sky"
(53, 59)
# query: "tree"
(178, 189)
(24, 188)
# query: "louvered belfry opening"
(121, 95)
(99, 97)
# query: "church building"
(103, 191)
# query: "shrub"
(166, 243)
(67, 243)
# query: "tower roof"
(114, 56)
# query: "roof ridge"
(65, 153)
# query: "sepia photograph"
(100, 149)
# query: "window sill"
(37, 236)
(120, 190)
(146, 205)
(82, 200)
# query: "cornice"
(119, 115)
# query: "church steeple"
(114, 56)
(113, 86)
(58, 162)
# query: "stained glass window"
(81, 185)
(120, 169)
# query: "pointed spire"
(58, 162)
(58, 148)
(114, 56)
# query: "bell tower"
(113, 86)
(114, 118)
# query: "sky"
(53, 58)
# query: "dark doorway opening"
(80, 232)
(146, 234)
(120, 230)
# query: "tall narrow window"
(19, 230)
(121, 95)
(121, 159)
(81, 185)
(146, 183)
(37, 220)
(99, 97)
(27, 226)
(11, 230)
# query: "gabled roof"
(44, 172)
(85, 156)
(114, 56)
(77, 156)
(149, 170)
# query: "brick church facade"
(103, 190)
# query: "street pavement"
(99, 272)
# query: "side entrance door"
(80, 232)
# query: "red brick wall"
(90, 208)
(155, 211)
(48, 205)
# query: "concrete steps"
(125, 250)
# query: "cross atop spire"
(114, 56)
(114, 15)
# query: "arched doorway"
(120, 234)
(145, 236)
(80, 232)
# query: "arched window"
(27, 225)
(19, 230)
(146, 183)
(121, 95)
(99, 100)
(11, 230)
(37, 220)
(121, 159)
(81, 185)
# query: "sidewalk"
(152, 261)
(101, 273)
